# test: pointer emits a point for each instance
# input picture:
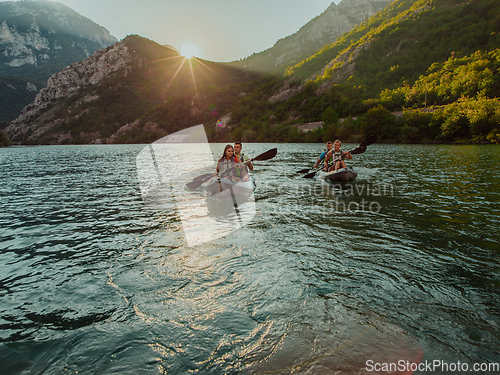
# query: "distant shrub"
(4, 140)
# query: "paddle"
(305, 170)
(365, 143)
(203, 176)
(357, 150)
(198, 181)
(354, 151)
(368, 141)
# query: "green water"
(403, 264)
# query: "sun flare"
(189, 50)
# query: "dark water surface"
(402, 265)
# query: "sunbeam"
(194, 79)
(176, 72)
(196, 71)
(205, 65)
(168, 58)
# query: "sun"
(189, 50)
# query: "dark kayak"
(342, 175)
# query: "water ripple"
(402, 263)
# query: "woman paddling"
(227, 162)
(338, 156)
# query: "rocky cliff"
(324, 29)
(32, 124)
(37, 39)
(35, 35)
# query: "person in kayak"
(242, 171)
(238, 152)
(329, 146)
(227, 162)
(337, 156)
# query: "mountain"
(434, 63)
(38, 39)
(15, 93)
(324, 29)
(133, 91)
(417, 71)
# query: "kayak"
(342, 175)
(222, 188)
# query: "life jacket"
(322, 156)
(337, 155)
(225, 165)
(243, 167)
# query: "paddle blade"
(203, 176)
(303, 170)
(357, 150)
(311, 175)
(266, 155)
(368, 141)
(196, 183)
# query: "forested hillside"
(434, 61)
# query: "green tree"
(4, 140)
(376, 119)
(329, 116)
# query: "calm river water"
(400, 267)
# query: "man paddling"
(329, 146)
(237, 152)
(242, 171)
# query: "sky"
(216, 30)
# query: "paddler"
(242, 171)
(337, 156)
(329, 146)
(227, 162)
